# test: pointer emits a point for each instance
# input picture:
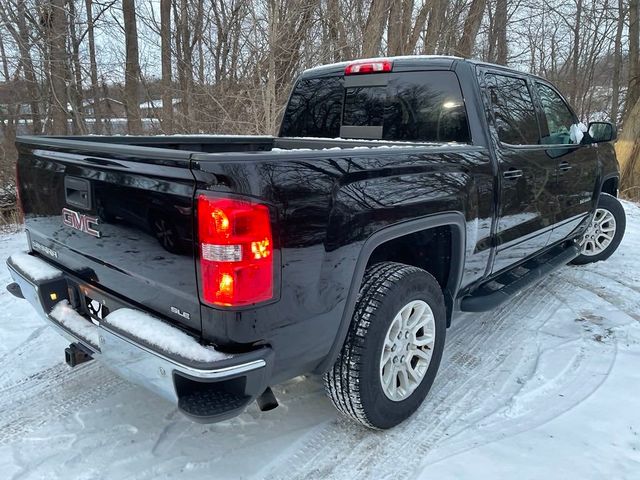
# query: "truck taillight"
(236, 251)
(368, 66)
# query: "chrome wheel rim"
(599, 234)
(407, 351)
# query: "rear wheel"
(393, 349)
(604, 234)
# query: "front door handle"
(565, 166)
(512, 173)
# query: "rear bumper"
(209, 390)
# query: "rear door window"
(512, 109)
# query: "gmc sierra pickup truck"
(398, 192)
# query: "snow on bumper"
(134, 344)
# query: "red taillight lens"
(236, 251)
(368, 66)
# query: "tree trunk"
(471, 26)
(93, 69)
(418, 27)
(634, 55)
(617, 65)
(57, 33)
(186, 67)
(395, 28)
(434, 26)
(374, 28)
(132, 68)
(76, 96)
(500, 32)
(575, 57)
(8, 127)
(628, 150)
(24, 46)
(165, 39)
(339, 50)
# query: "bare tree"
(374, 28)
(498, 51)
(617, 64)
(54, 18)
(132, 69)
(165, 40)
(14, 16)
(633, 92)
(93, 69)
(628, 149)
(75, 93)
(471, 27)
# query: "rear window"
(412, 106)
(314, 109)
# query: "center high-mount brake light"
(368, 66)
(236, 251)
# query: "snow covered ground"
(547, 386)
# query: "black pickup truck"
(398, 192)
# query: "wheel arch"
(610, 185)
(454, 220)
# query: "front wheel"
(393, 349)
(604, 234)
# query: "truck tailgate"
(120, 221)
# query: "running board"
(500, 289)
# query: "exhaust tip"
(267, 401)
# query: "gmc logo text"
(81, 222)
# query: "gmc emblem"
(81, 222)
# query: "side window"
(559, 117)
(513, 110)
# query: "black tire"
(353, 384)
(613, 205)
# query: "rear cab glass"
(421, 106)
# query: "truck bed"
(321, 189)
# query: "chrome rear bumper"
(228, 384)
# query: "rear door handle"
(565, 166)
(512, 173)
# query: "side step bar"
(500, 289)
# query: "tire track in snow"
(619, 301)
(58, 392)
(582, 377)
(468, 361)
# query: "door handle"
(512, 173)
(565, 166)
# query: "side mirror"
(602, 132)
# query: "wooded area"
(227, 66)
